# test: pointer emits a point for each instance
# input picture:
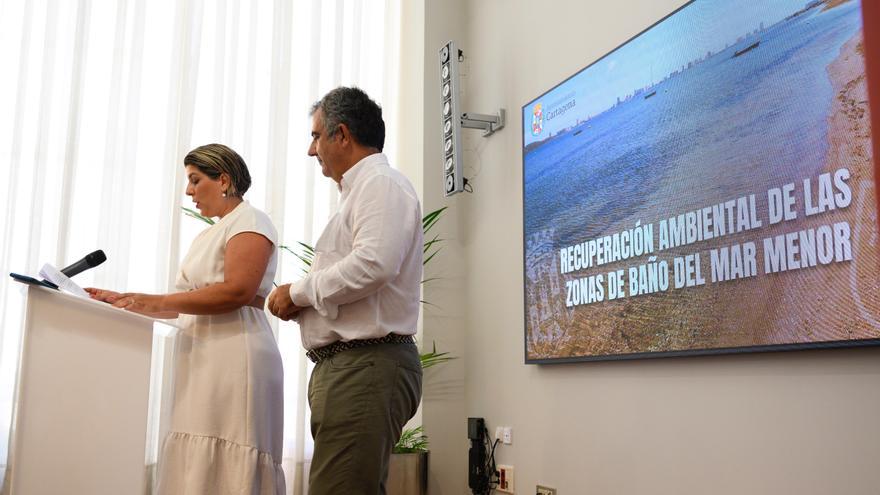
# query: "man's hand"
(281, 305)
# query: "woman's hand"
(107, 296)
(140, 303)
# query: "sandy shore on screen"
(841, 301)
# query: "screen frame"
(870, 24)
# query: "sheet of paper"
(63, 282)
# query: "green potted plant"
(408, 467)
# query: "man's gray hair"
(355, 109)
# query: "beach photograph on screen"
(707, 186)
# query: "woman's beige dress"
(227, 418)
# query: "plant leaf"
(306, 247)
(197, 215)
(429, 258)
(304, 253)
(412, 440)
(430, 243)
(434, 358)
(431, 218)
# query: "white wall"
(444, 320)
(772, 423)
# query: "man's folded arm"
(384, 228)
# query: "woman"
(227, 417)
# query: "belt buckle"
(312, 355)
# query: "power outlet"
(544, 490)
(505, 479)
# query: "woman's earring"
(224, 194)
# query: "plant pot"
(408, 474)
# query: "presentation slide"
(706, 187)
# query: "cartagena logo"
(537, 120)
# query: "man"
(358, 306)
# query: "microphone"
(90, 261)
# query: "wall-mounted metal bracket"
(488, 123)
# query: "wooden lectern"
(84, 421)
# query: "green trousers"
(360, 400)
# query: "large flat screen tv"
(706, 187)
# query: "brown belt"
(322, 353)
(258, 302)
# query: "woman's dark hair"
(352, 107)
(216, 159)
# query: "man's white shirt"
(365, 278)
